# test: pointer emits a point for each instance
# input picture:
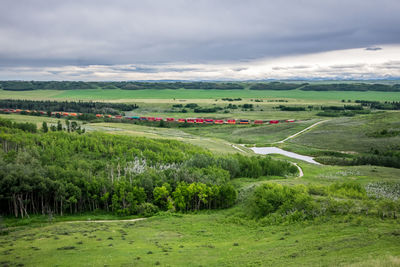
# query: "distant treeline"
(352, 87)
(66, 85)
(75, 85)
(326, 87)
(68, 106)
(276, 86)
(387, 105)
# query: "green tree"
(45, 128)
(161, 196)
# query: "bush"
(285, 200)
(147, 209)
(348, 189)
(318, 190)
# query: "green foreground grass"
(205, 239)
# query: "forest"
(352, 87)
(68, 106)
(141, 85)
(66, 172)
(70, 85)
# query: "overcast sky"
(199, 39)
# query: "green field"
(352, 134)
(204, 240)
(131, 95)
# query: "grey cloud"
(347, 66)
(103, 32)
(373, 48)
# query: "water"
(276, 150)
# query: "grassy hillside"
(353, 134)
(204, 240)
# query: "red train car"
(219, 122)
(170, 119)
(258, 122)
(231, 121)
(273, 122)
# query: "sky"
(104, 40)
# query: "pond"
(276, 150)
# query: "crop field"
(131, 95)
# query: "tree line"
(70, 85)
(136, 85)
(352, 87)
(65, 172)
(387, 105)
(68, 106)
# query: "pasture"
(355, 134)
(204, 239)
(132, 95)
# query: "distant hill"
(136, 85)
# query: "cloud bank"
(341, 64)
(179, 39)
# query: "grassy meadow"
(205, 239)
(352, 135)
(131, 95)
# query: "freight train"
(155, 119)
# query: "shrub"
(318, 190)
(348, 189)
(285, 200)
(147, 209)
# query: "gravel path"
(302, 131)
(301, 174)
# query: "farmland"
(337, 219)
(128, 95)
